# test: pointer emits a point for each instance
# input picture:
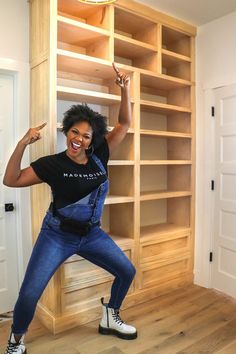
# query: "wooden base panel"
(67, 321)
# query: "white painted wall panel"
(14, 29)
(215, 67)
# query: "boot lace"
(12, 348)
(116, 317)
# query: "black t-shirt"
(68, 180)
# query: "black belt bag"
(76, 227)
(73, 226)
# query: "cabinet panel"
(179, 211)
(125, 151)
(136, 56)
(160, 148)
(161, 249)
(156, 274)
(121, 180)
(170, 178)
(118, 220)
(136, 27)
(79, 38)
(80, 299)
(176, 41)
(179, 122)
(175, 67)
(168, 213)
(39, 32)
(135, 40)
(178, 97)
(81, 273)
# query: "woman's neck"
(81, 159)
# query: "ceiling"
(196, 12)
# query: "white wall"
(14, 29)
(216, 52)
(14, 59)
(216, 66)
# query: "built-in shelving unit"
(149, 210)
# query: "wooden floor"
(190, 320)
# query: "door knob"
(9, 207)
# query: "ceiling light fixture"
(97, 2)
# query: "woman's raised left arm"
(115, 137)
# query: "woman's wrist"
(125, 91)
(21, 144)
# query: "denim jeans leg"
(47, 255)
(101, 250)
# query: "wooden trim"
(162, 107)
(115, 199)
(165, 133)
(165, 162)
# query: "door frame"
(20, 73)
(205, 169)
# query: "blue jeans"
(54, 246)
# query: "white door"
(224, 250)
(8, 242)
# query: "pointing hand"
(122, 79)
(32, 135)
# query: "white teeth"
(76, 146)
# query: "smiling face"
(78, 139)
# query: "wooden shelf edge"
(165, 133)
(164, 106)
(192, 83)
(120, 162)
(165, 78)
(165, 162)
(130, 130)
(124, 243)
(99, 97)
(135, 42)
(176, 55)
(92, 66)
(164, 195)
(114, 199)
(86, 58)
(123, 162)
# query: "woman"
(78, 179)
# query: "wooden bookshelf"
(149, 210)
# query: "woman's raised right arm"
(14, 175)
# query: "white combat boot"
(111, 323)
(15, 347)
